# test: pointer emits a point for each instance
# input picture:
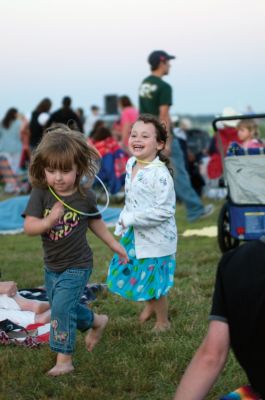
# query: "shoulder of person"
(165, 85)
(89, 194)
(42, 193)
(162, 171)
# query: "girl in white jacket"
(147, 224)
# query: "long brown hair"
(60, 148)
(10, 116)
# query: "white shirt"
(150, 203)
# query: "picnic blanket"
(11, 221)
(33, 335)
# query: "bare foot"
(146, 314)
(43, 318)
(61, 369)
(161, 327)
(95, 333)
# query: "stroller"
(242, 217)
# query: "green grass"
(130, 363)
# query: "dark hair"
(94, 108)
(101, 134)
(44, 105)
(9, 117)
(161, 136)
(125, 101)
(60, 148)
(66, 102)
(98, 124)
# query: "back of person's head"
(94, 109)
(44, 106)
(185, 124)
(161, 135)
(66, 102)
(9, 117)
(250, 125)
(125, 101)
(80, 111)
(101, 133)
(61, 148)
(98, 124)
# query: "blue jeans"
(183, 188)
(64, 290)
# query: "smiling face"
(63, 182)
(143, 142)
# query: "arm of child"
(161, 209)
(99, 228)
(37, 226)
(9, 288)
(206, 365)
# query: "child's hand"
(120, 250)
(56, 213)
(122, 224)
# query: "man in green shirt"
(155, 97)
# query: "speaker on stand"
(111, 104)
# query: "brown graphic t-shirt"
(65, 245)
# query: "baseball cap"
(157, 56)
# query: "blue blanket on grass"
(11, 221)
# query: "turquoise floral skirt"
(140, 279)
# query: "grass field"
(130, 363)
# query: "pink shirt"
(128, 116)
(252, 143)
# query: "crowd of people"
(195, 155)
(155, 163)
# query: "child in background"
(147, 223)
(248, 134)
(60, 210)
(113, 161)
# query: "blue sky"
(87, 49)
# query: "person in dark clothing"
(155, 97)
(65, 115)
(37, 122)
(236, 320)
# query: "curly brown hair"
(161, 136)
(60, 148)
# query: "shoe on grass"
(207, 211)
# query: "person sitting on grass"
(19, 309)
(236, 320)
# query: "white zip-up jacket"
(150, 203)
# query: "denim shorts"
(64, 290)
